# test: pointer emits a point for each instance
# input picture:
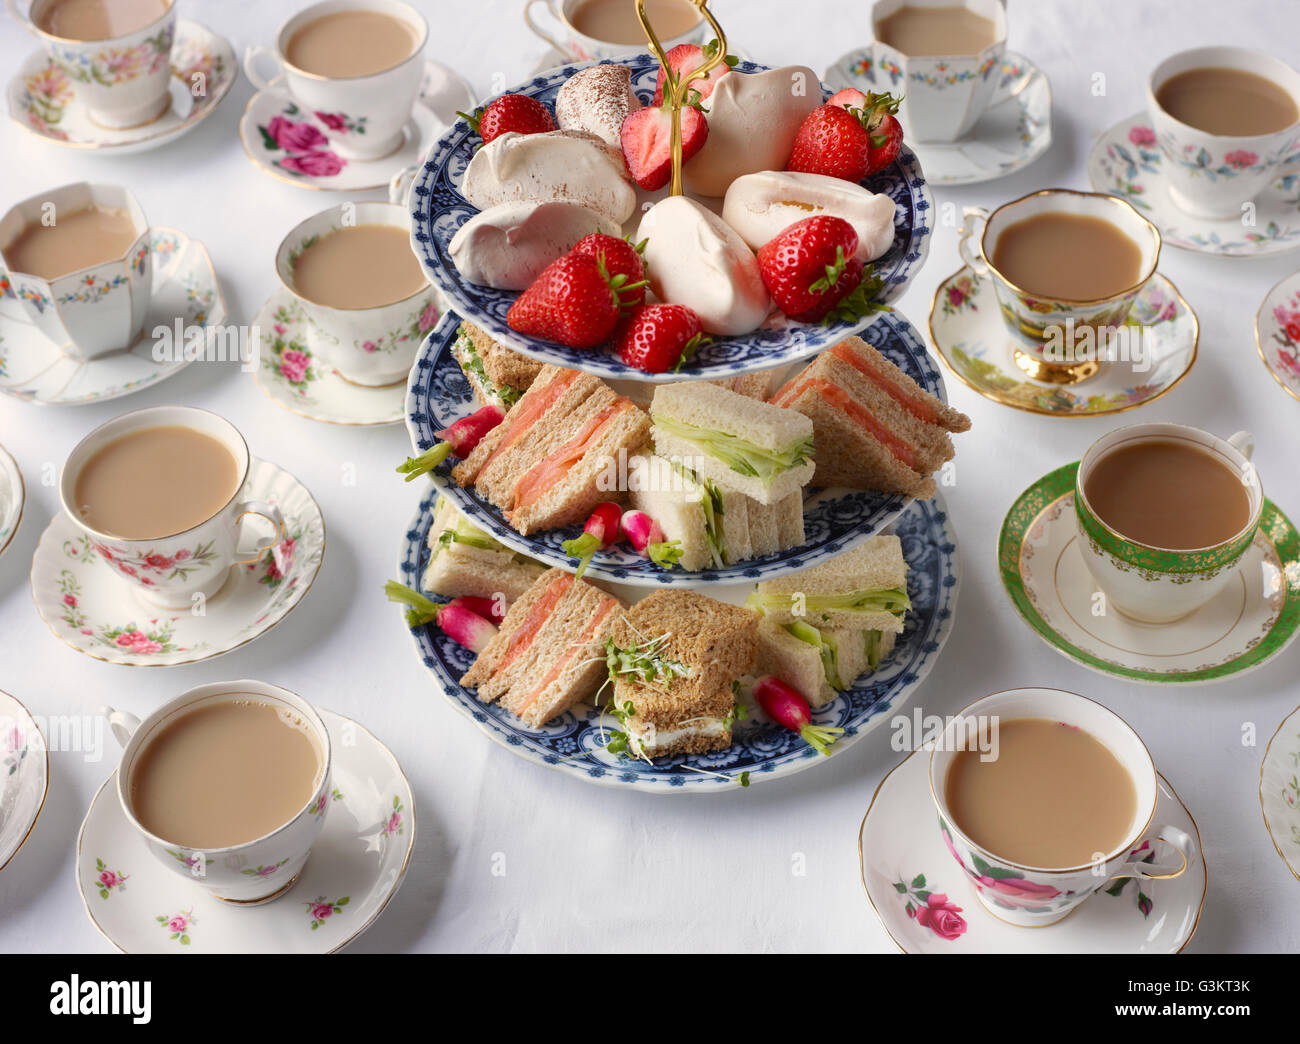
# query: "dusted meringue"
(597, 100)
(508, 245)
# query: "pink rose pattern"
(1287, 336)
(1009, 888)
(393, 825)
(154, 636)
(932, 910)
(107, 881)
(320, 910)
(305, 147)
(178, 925)
(414, 329)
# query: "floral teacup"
(92, 311)
(363, 117)
(181, 570)
(1217, 175)
(123, 81)
(367, 346)
(578, 47)
(1036, 896)
(256, 871)
(1156, 585)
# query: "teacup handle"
(269, 512)
(1177, 839)
(539, 31)
(1243, 442)
(1010, 87)
(972, 229)
(399, 185)
(123, 724)
(251, 56)
(22, 19)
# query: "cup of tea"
(945, 57)
(1226, 119)
(1066, 268)
(77, 259)
(228, 784)
(117, 53)
(1043, 798)
(1165, 513)
(361, 287)
(588, 30)
(156, 494)
(354, 69)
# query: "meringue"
(760, 206)
(695, 259)
(507, 246)
(597, 100)
(541, 168)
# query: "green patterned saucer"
(1247, 625)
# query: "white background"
(596, 869)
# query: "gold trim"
(989, 394)
(45, 793)
(261, 900)
(1038, 369)
(1259, 344)
(1262, 764)
(22, 504)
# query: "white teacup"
(123, 81)
(1037, 896)
(1158, 585)
(1217, 175)
(942, 97)
(256, 871)
(367, 346)
(578, 47)
(362, 117)
(174, 571)
(92, 311)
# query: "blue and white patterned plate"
(438, 210)
(834, 520)
(574, 742)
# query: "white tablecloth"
(597, 869)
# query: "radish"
(456, 619)
(458, 440)
(489, 608)
(601, 530)
(786, 707)
(644, 534)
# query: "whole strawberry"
(571, 302)
(659, 337)
(623, 264)
(809, 267)
(848, 143)
(685, 59)
(510, 112)
(646, 137)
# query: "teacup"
(92, 311)
(178, 570)
(367, 346)
(578, 47)
(1217, 175)
(942, 97)
(1158, 585)
(1037, 896)
(124, 80)
(245, 874)
(1041, 326)
(361, 117)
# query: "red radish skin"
(602, 530)
(458, 618)
(493, 609)
(458, 440)
(645, 534)
(465, 627)
(787, 708)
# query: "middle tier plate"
(438, 394)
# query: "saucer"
(319, 167)
(1242, 628)
(32, 367)
(24, 776)
(291, 378)
(1127, 162)
(971, 337)
(906, 866)
(1279, 790)
(89, 608)
(1008, 137)
(43, 101)
(1277, 333)
(12, 497)
(355, 868)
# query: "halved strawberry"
(511, 112)
(623, 262)
(660, 337)
(572, 302)
(685, 59)
(646, 138)
(809, 267)
(848, 143)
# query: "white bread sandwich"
(464, 560)
(497, 375)
(876, 428)
(750, 447)
(751, 385)
(543, 464)
(508, 246)
(597, 100)
(819, 662)
(547, 654)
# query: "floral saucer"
(1277, 333)
(12, 497)
(1127, 162)
(1008, 137)
(292, 378)
(24, 776)
(926, 904)
(185, 289)
(282, 142)
(1241, 629)
(43, 100)
(1279, 790)
(93, 611)
(355, 868)
(968, 331)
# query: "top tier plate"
(438, 210)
